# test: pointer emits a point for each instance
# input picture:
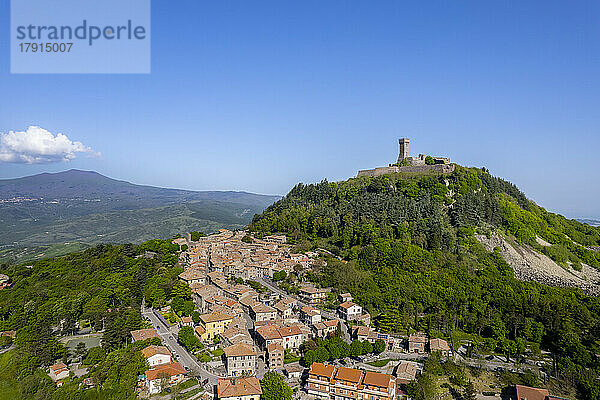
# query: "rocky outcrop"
(530, 265)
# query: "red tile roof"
(320, 369)
(237, 387)
(165, 370)
(530, 393)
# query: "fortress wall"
(441, 168)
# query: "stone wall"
(441, 168)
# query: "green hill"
(410, 257)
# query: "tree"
(379, 346)
(279, 276)
(195, 235)
(429, 160)
(367, 347)
(5, 341)
(196, 316)
(321, 354)
(424, 388)
(355, 348)
(274, 387)
(247, 239)
(309, 357)
(188, 339)
(80, 350)
(469, 391)
(94, 356)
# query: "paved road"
(12, 346)
(324, 313)
(169, 337)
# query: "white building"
(349, 311)
(157, 355)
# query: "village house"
(406, 372)
(291, 337)
(324, 328)
(349, 311)
(163, 376)
(144, 334)
(275, 239)
(531, 393)
(416, 343)
(293, 371)
(4, 281)
(157, 355)
(266, 335)
(262, 312)
(307, 332)
(310, 315)
(312, 295)
(200, 332)
(247, 302)
(58, 372)
(193, 276)
(284, 309)
(202, 294)
(214, 324)
(320, 377)
(235, 335)
(186, 321)
(439, 345)
(364, 319)
(345, 381)
(275, 355)
(361, 333)
(379, 386)
(345, 297)
(240, 359)
(216, 277)
(238, 388)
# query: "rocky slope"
(530, 265)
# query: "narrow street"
(169, 337)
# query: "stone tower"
(403, 148)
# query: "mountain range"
(87, 207)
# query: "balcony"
(321, 389)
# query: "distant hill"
(589, 221)
(85, 206)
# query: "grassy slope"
(8, 385)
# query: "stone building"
(239, 388)
(275, 355)
(240, 360)
(406, 163)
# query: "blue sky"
(258, 96)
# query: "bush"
(188, 339)
(279, 276)
(94, 356)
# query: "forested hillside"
(411, 258)
(103, 285)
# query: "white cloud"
(37, 145)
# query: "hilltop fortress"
(406, 163)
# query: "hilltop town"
(246, 322)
